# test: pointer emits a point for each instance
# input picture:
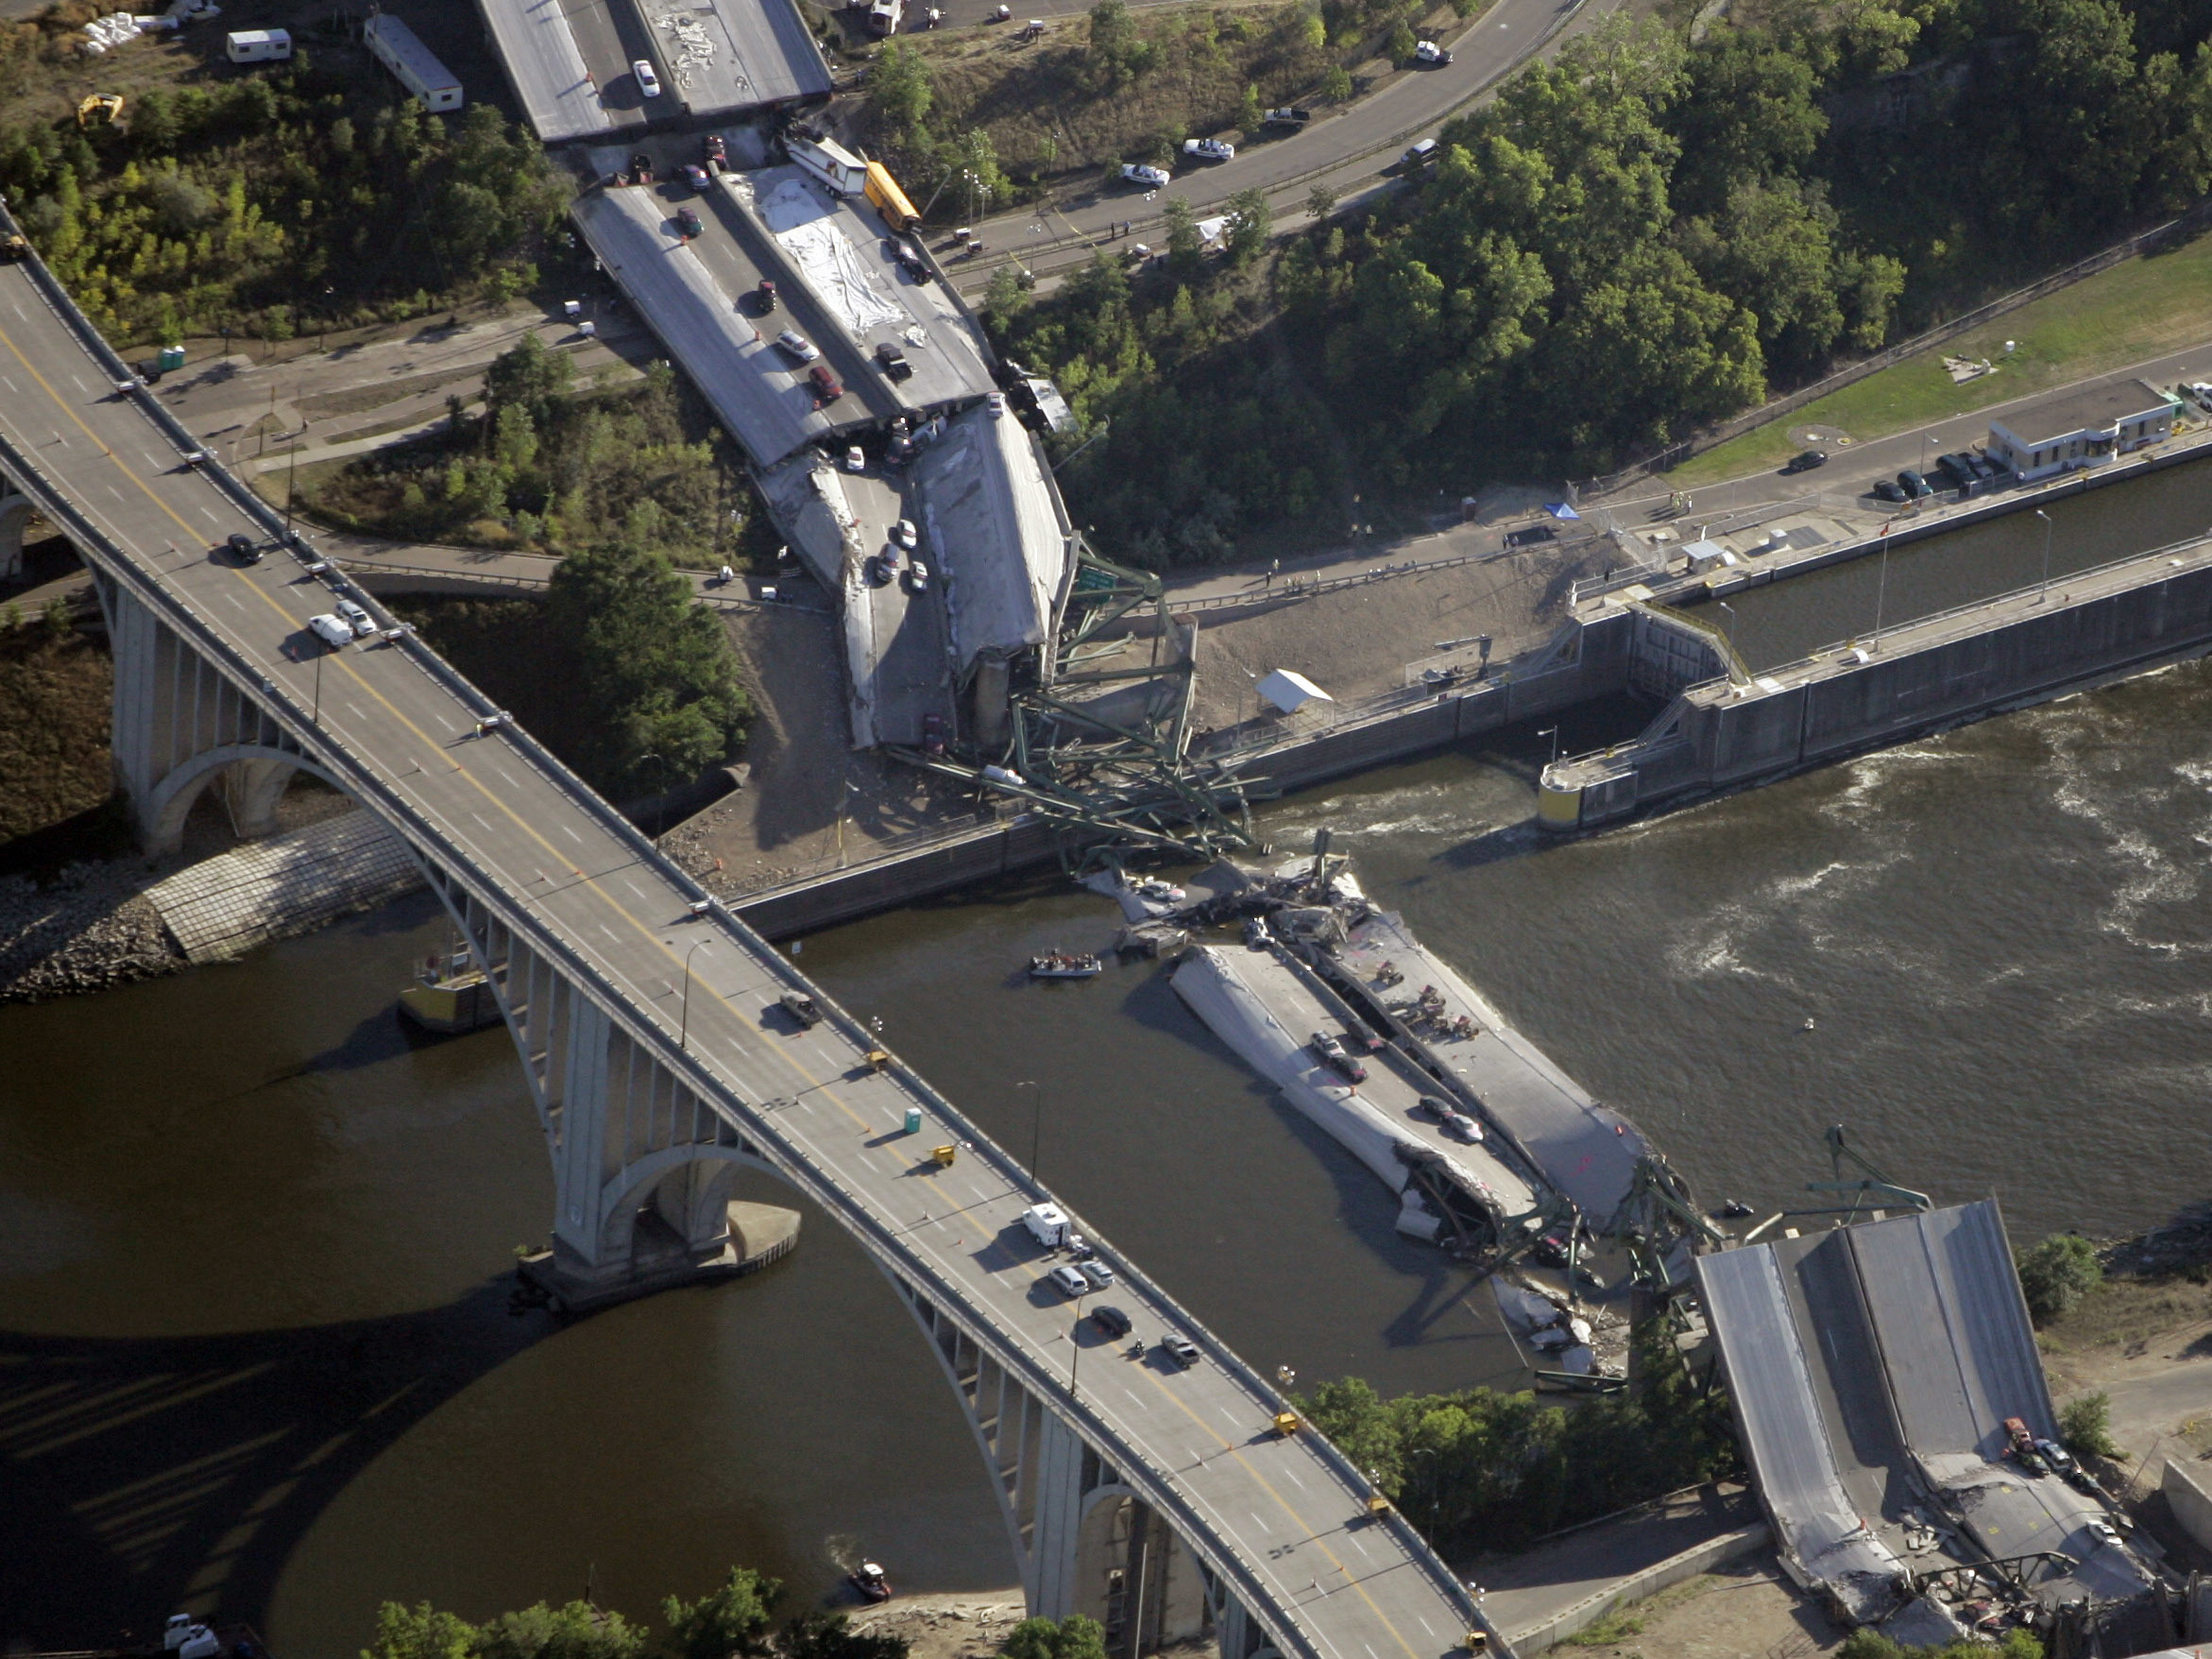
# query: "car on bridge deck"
(1100, 1276)
(695, 176)
(329, 630)
(1336, 1057)
(1069, 1282)
(1111, 1320)
(1182, 1350)
(648, 82)
(357, 619)
(243, 549)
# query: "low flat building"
(2074, 429)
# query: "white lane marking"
(1229, 1417)
(354, 708)
(17, 309)
(637, 890)
(6, 381)
(235, 600)
(1426, 1625)
(1293, 1474)
(113, 492)
(571, 834)
(609, 932)
(79, 379)
(505, 776)
(480, 818)
(443, 721)
(206, 515)
(1257, 1522)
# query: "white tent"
(1291, 692)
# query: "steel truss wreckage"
(1124, 780)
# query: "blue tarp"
(1559, 510)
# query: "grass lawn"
(2138, 310)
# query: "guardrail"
(428, 844)
(1295, 588)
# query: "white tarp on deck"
(804, 224)
(992, 515)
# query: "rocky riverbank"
(88, 929)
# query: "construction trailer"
(257, 45)
(412, 63)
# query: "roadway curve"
(1348, 150)
(1282, 1521)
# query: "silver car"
(1068, 1281)
(1100, 1276)
(798, 345)
(356, 619)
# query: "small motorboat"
(1734, 1210)
(1055, 964)
(868, 1580)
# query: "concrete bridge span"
(659, 1060)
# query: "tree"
(655, 667)
(1321, 201)
(1250, 113)
(1184, 244)
(1005, 297)
(528, 376)
(1116, 50)
(2056, 1274)
(1075, 1637)
(732, 1621)
(419, 1633)
(1336, 84)
(577, 1631)
(1402, 41)
(899, 88)
(817, 1635)
(1250, 220)
(2084, 1426)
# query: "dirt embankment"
(947, 1626)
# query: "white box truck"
(257, 45)
(1047, 1225)
(412, 63)
(830, 161)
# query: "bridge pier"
(642, 1165)
(179, 723)
(1087, 1541)
(16, 512)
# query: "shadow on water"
(146, 1476)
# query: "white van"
(1047, 1225)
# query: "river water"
(254, 1333)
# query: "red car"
(827, 387)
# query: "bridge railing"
(756, 1119)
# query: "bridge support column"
(16, 513)
(179, 723)
(643, 1167)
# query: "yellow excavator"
(99, 109)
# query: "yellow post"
(1286, 1423)
(944, 1154)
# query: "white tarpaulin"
(802, 222)
(1291, 692)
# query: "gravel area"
(91, 928)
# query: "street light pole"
(1552, 732)
(1731, 633)
(684, 1024)
(1036, 1122)
(2044, 594)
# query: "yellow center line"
(1266, 1486)
(647, 931)
(650, 934)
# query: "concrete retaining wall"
(1584, 660)
(1661, 1575)
(2189, 1498)
(1699, 746)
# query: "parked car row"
(1968, 472)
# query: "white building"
(2075, 429)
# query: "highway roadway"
(1348, 149)
(1282, 1519)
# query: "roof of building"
(994, 518)
(2097, 408)
(569, 59)
(757, 391)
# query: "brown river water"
(256, 1353)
